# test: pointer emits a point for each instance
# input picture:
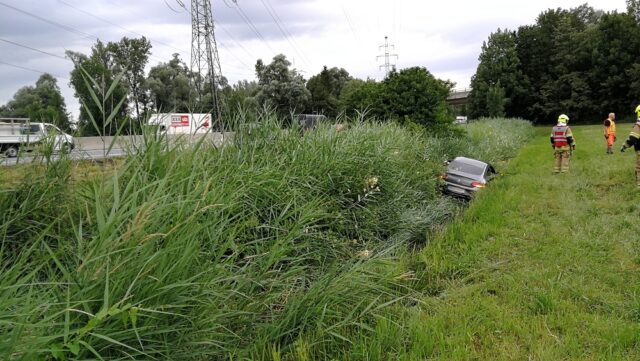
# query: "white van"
(17, 134)
(461, 119)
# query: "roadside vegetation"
(277, 247)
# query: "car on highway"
(20, 133)
(465, 176)
(461, 120)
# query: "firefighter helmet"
(638, 111)
(563, 119)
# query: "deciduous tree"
(325, 89)
(169, 87)
(499, 64)
(41, 103)
(130, 57)
(281, 88)
(100, 67)
(415, 95)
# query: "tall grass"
(275, 247)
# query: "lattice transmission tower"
(205, 62)
(387, 56)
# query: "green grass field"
(541, 267)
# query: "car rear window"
(30, 129)
(465, 168)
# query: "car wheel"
(65, 148)
(11, 151)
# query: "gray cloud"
(322, 34)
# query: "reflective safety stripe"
(560, 136)
(634, 134)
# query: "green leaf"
(115, 111)
(113, 311)
(93, 120)
(124, 317)
(57, 351)
(74, 348)
(93, 94)
(105, 299)
(133, 313)
(116, 342)
(113, 86)
(91, 349)
(101, 315)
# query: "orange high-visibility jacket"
(611, 129)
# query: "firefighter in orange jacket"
(563, 143)
(634, 141)
(610, 132)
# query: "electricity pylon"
(205, 62)
(387, 63)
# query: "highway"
(91, 154)
(94, 148)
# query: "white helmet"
(563, 119)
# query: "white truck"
(181, 123)
(20, 133)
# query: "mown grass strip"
(541, 267)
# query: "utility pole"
(387, 63)
(205, 62)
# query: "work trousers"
(610, 139)
(562, 161)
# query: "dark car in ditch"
(465, 176)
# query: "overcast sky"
(443, 36)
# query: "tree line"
(583, 62)
(410, 95)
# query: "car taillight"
(477, 185)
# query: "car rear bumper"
(458, 191)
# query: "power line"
(224, 46)
(65, 27)
(68, 28)
(34, 49)
(248, 21)
(33, 70)
(274, 15)
(75, 31)
(355, 33)
(346, 16)
(235, 40)
(119, 26)
(64, 58)
(172, 9)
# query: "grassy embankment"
(541, 267)
(278, 247)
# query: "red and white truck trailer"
(181, 123)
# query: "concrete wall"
(125, 142)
